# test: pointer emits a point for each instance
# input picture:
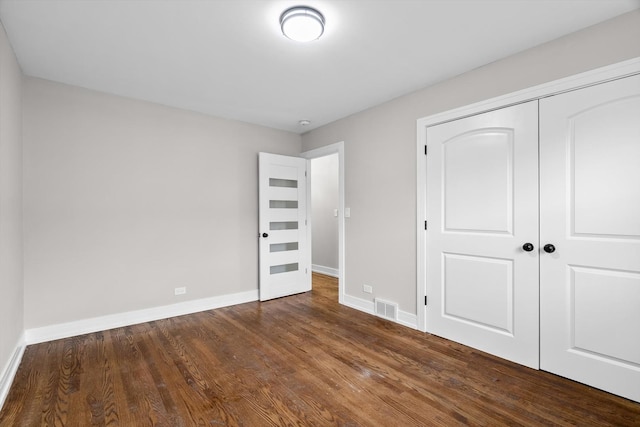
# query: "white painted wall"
(125, 200)
(11, 289)
(380, 150)
(324, 199)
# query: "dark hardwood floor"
(300, 360)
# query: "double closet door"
(533, 244)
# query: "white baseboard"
(359, 304)
(405, 319)
(103, 323)
(9, 372)
(409, 320)
(329, 271)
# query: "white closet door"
(590, 213)
(482, 207)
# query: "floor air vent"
(386, 309)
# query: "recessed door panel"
(590, 213)
(478, 290)
(487, 156)
(482, 207)
(604, 303)
(600, 206)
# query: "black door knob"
(265, 235)
(549, 248)
(528, 247)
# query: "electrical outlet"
(367, 289)
(180, 291)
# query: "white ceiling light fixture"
(302, 23)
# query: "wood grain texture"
(300, 360)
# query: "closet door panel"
(590, 213)
(482, 207)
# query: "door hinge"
(425, 225)
(425, 150)
(425, 300)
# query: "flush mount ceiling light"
(302, 24)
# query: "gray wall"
(11, 290)
(125, 200)
(324, 199)
(380, 150)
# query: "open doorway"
(324, 213)
(325, 193)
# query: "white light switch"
(347, 212)
(335, 212)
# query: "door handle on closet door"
(549, 248)
(527, 247)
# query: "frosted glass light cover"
(302, 24)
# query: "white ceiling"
(228, 58)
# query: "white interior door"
(482, 207)
(285, 256)
(590, 213)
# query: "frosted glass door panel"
(288, 225)
(283, 204)
(289, 183)
(279, 247)
(284, 268)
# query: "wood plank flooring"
(300, 360)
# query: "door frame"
(578, 81)
(338, 148)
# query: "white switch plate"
(335, 212)
(367, 289)
(180, 291)
(347, 212)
